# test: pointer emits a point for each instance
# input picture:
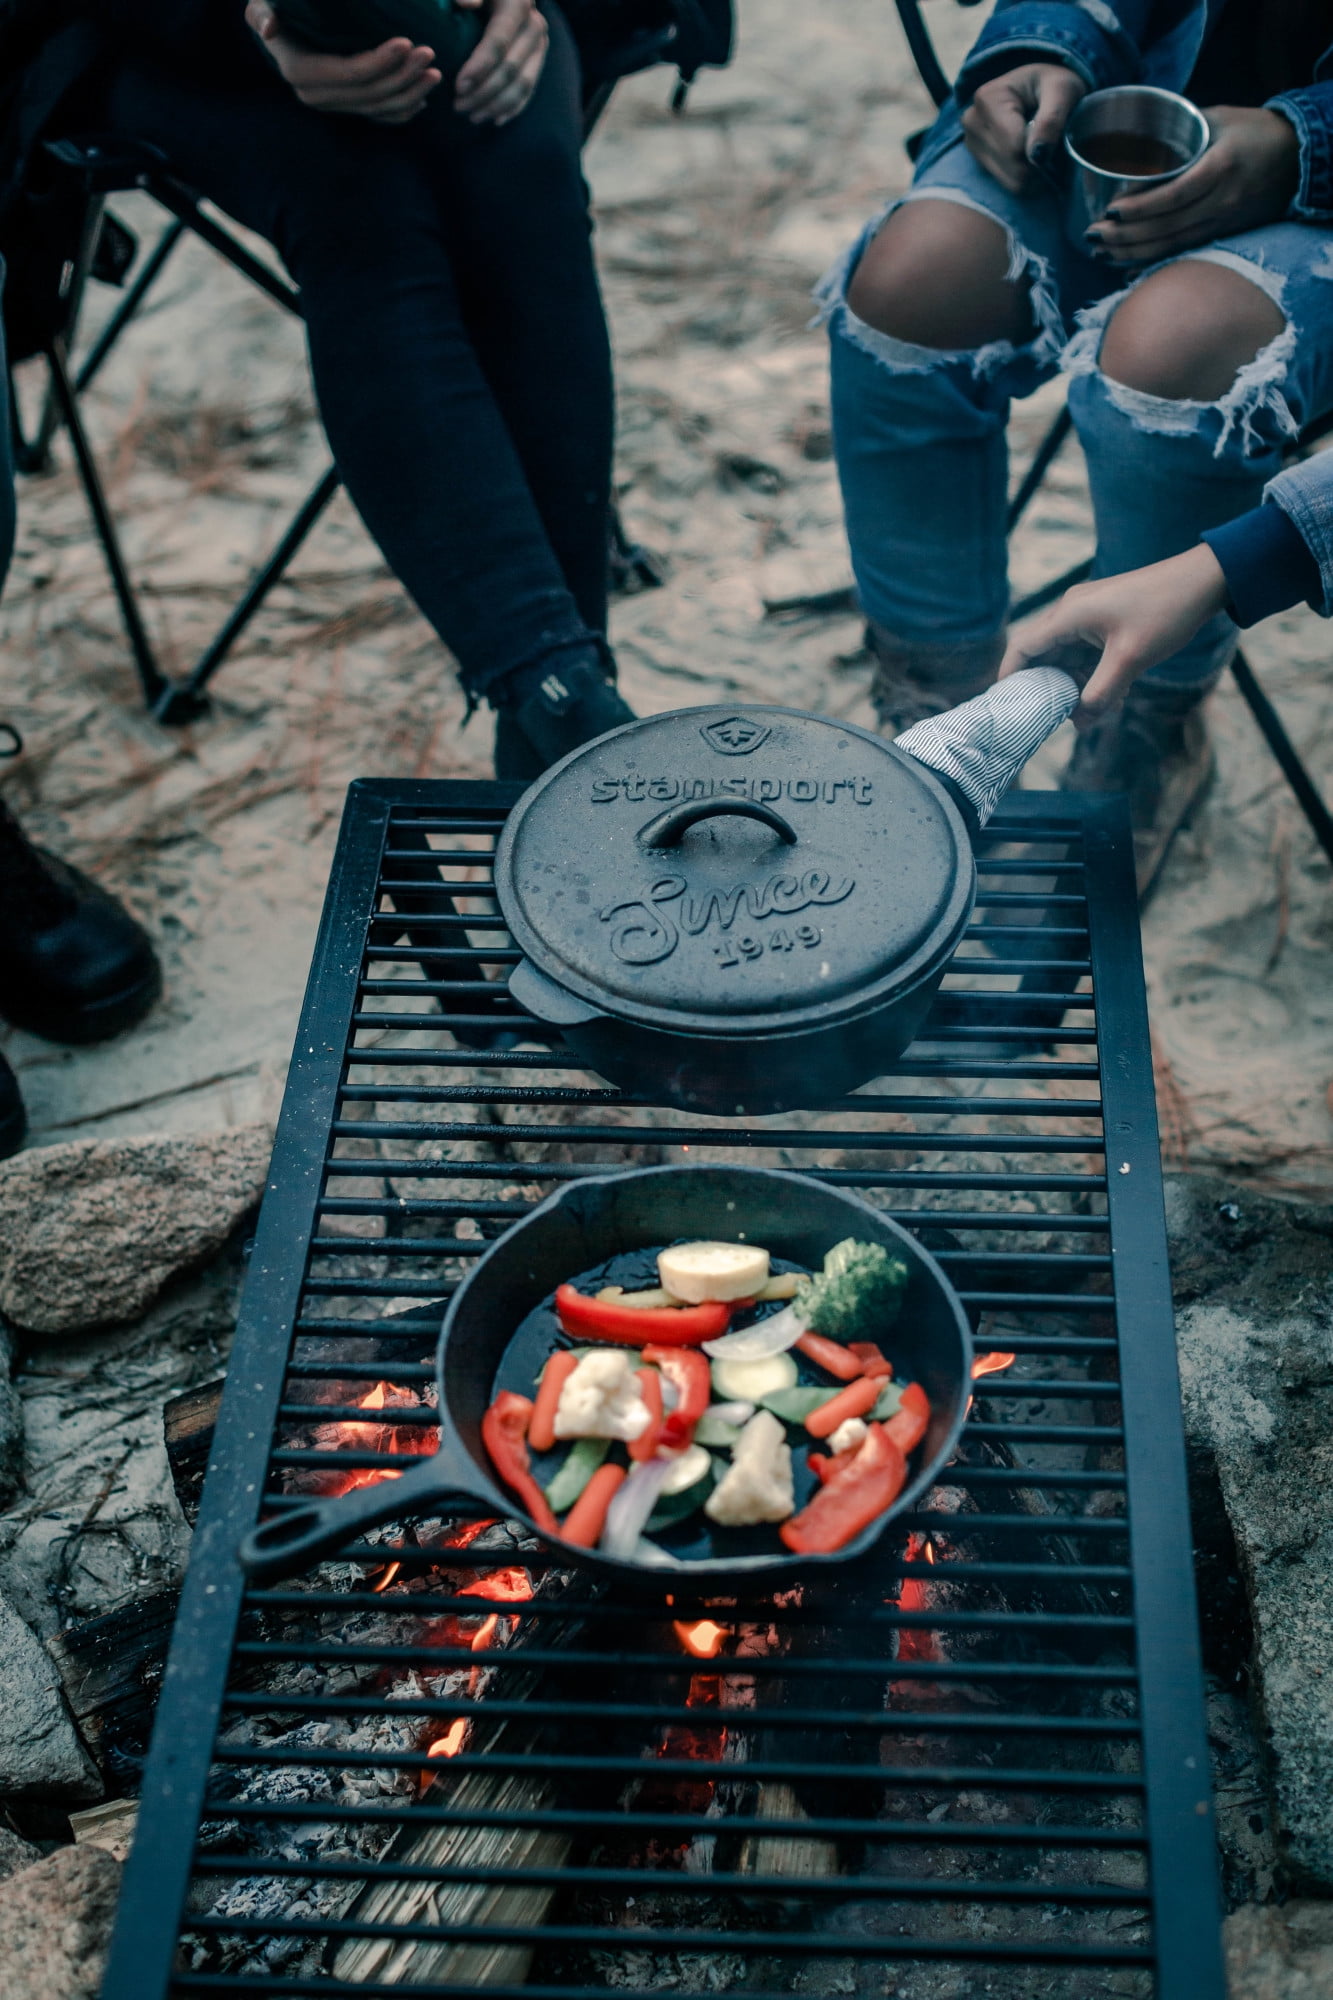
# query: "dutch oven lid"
(714, 868)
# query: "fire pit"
(441, 1761)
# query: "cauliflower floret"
(850, 1435)
(757, 1485)
(601, 1399)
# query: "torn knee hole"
(1189, 332)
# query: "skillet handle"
(300, 1536)
(983, 744)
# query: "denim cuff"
(1266, 562)
(1085, 36)
(1311, 112)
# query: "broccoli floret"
(856, 1295)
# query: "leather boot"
(913, 680)
(546, 710)
(74, 965)
(1155, 749)
(13, 1118)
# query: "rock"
(11, 1421)
(15, 1853)
(40, 1753)
(1280, 1954)
(91, 1231)
(55, 1925)
(1255, 1342)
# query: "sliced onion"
(774, 1335)
(628, 1513)
(731, 1413)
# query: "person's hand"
(1247, 177)
(501, 74)
(1018, 119)
(1133, 620)
(389, 84)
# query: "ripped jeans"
(919, 433)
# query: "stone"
(1254, 1322)
(40, 1753)
(91, 1231)
(11, 1421)
(1280, 1954)
(55, 1925)
(15, 1853)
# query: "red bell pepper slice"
(587, 1517)
(650, 1389)
(828, 1354)
(640, 1326)
(907, 1425)
(856, 1400)
(504, 1432)
(871, 1360)
(541, 1431)
(849, 1501)
(688, 1372)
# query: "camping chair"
(76, 238)
(1261, 708)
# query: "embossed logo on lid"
(735, 735)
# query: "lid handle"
(670, 826)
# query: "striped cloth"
(983, 744)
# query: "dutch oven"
(742, 910)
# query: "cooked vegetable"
(504, 1432)
(631, 1326)
(584, 1457)
(687, 1372)
(628, 1513)
(795, 1405)
(751, 1381)
(857, 1294)
(907, 1426)
(827, 1354)
(850, 1435)
(774, 1335)
(653, 1300)
(698, 1271)
(850, 1499)
(602, 1398)
(541, 1431)
(871, 1360)
(721, 1432)
(783, 1286)
(586, 1518)
(890, 1396)
(650, 1389)
(856, 1400)
(757, 1485)
(686, 1469)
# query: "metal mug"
(1134, 111)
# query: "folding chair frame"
(1261, 708)
(116, 170)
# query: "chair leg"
(1282, 747)
(1041, 464)
(151, 677)
(130, 304)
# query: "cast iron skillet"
(498, 1333)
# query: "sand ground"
(711, 230)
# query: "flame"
(451, 1742)
(991, 1364)
(704, 1639)
(384, 1581)
(915, 1595)
(513, 1586)
(416, 1439)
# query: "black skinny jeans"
(457, 340)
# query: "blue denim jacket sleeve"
(1311, 112)
(1305, 495)
(1100, 43)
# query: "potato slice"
(698, 1271)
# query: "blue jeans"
(919, 433)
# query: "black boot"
(13, 1118)
(544, 711)
(74, 965)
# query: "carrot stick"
(541, 1431)
(838, 1360)
(587, 1517)
(855, 1400)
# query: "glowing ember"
(383, 1582)
(704, 1638)
(451, 1742)
(991, 1364)
(513, 1586)
(913, 1643)
(351, 1434)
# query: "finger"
(367, 98)
(261, 20)
(372, 66)
(1058, 97)
(1152, 249)
(508, 17)
(508, 87)
(400, 104)
(1116, 672)
(1011, 172)
(505, 110)
(1172, 196)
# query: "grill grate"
(979, 1767)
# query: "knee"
(1185, 332)
(937, 275)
